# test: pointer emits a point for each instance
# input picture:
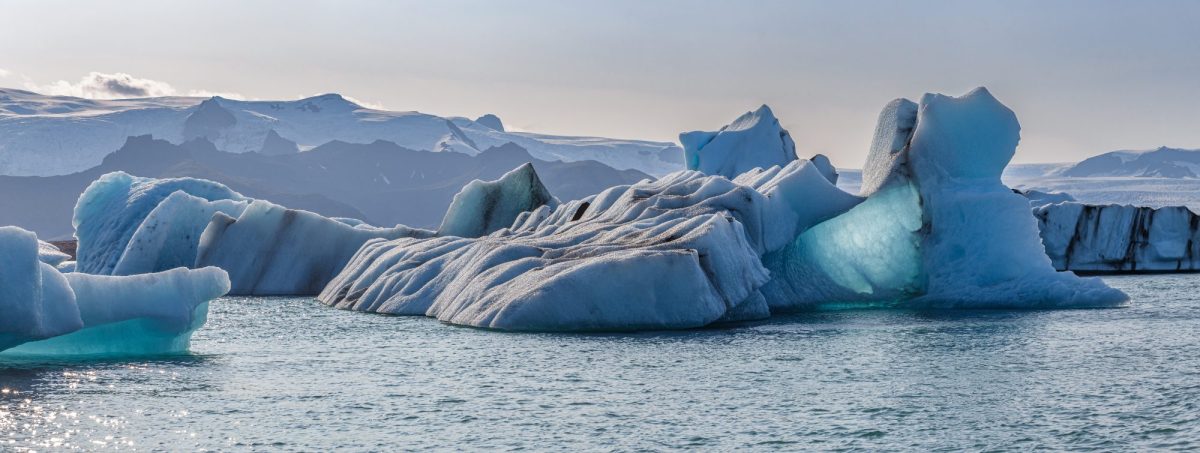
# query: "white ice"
(754, 139)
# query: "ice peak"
(754, 139)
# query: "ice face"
(679, 252)
(754, 139)
(482, 207)
(270, 250)
(35, 300)
(168, 237)
(112, 208)
(50, 313)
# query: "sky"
(1084, 77)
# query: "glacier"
(932, 226)
(49, 313)
(77, 133)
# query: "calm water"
(290, 374)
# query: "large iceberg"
(753, 140)
(50, 313)
(936, 228)
(679, 252)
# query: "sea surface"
(289, 374)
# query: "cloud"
(4, 73)
(99, 85)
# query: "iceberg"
(112, 208)
(146, 225)
(938, 227)
(679, 252)
(1119, 238)
(933, 226)
(269, 250)
(482, 207)
(754, 139)
(50, 313)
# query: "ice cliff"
(46, 312)
(753, 232)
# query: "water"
(290, 374)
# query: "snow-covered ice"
(50, 313)
(55, 135)
(754, 139)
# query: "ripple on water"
(290, 374)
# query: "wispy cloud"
(99, 85)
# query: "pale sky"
(1084, 77)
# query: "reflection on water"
(289, 374)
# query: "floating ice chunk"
(679, 252)
(167, 238)
(112, 208)
(754, 139)
(144, 314)
(1114, 238)
(482, 207)
(46, 312)
(66, 266)
(272, 250)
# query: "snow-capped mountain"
(51, 135)
(1158, 163)
(379, 182)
